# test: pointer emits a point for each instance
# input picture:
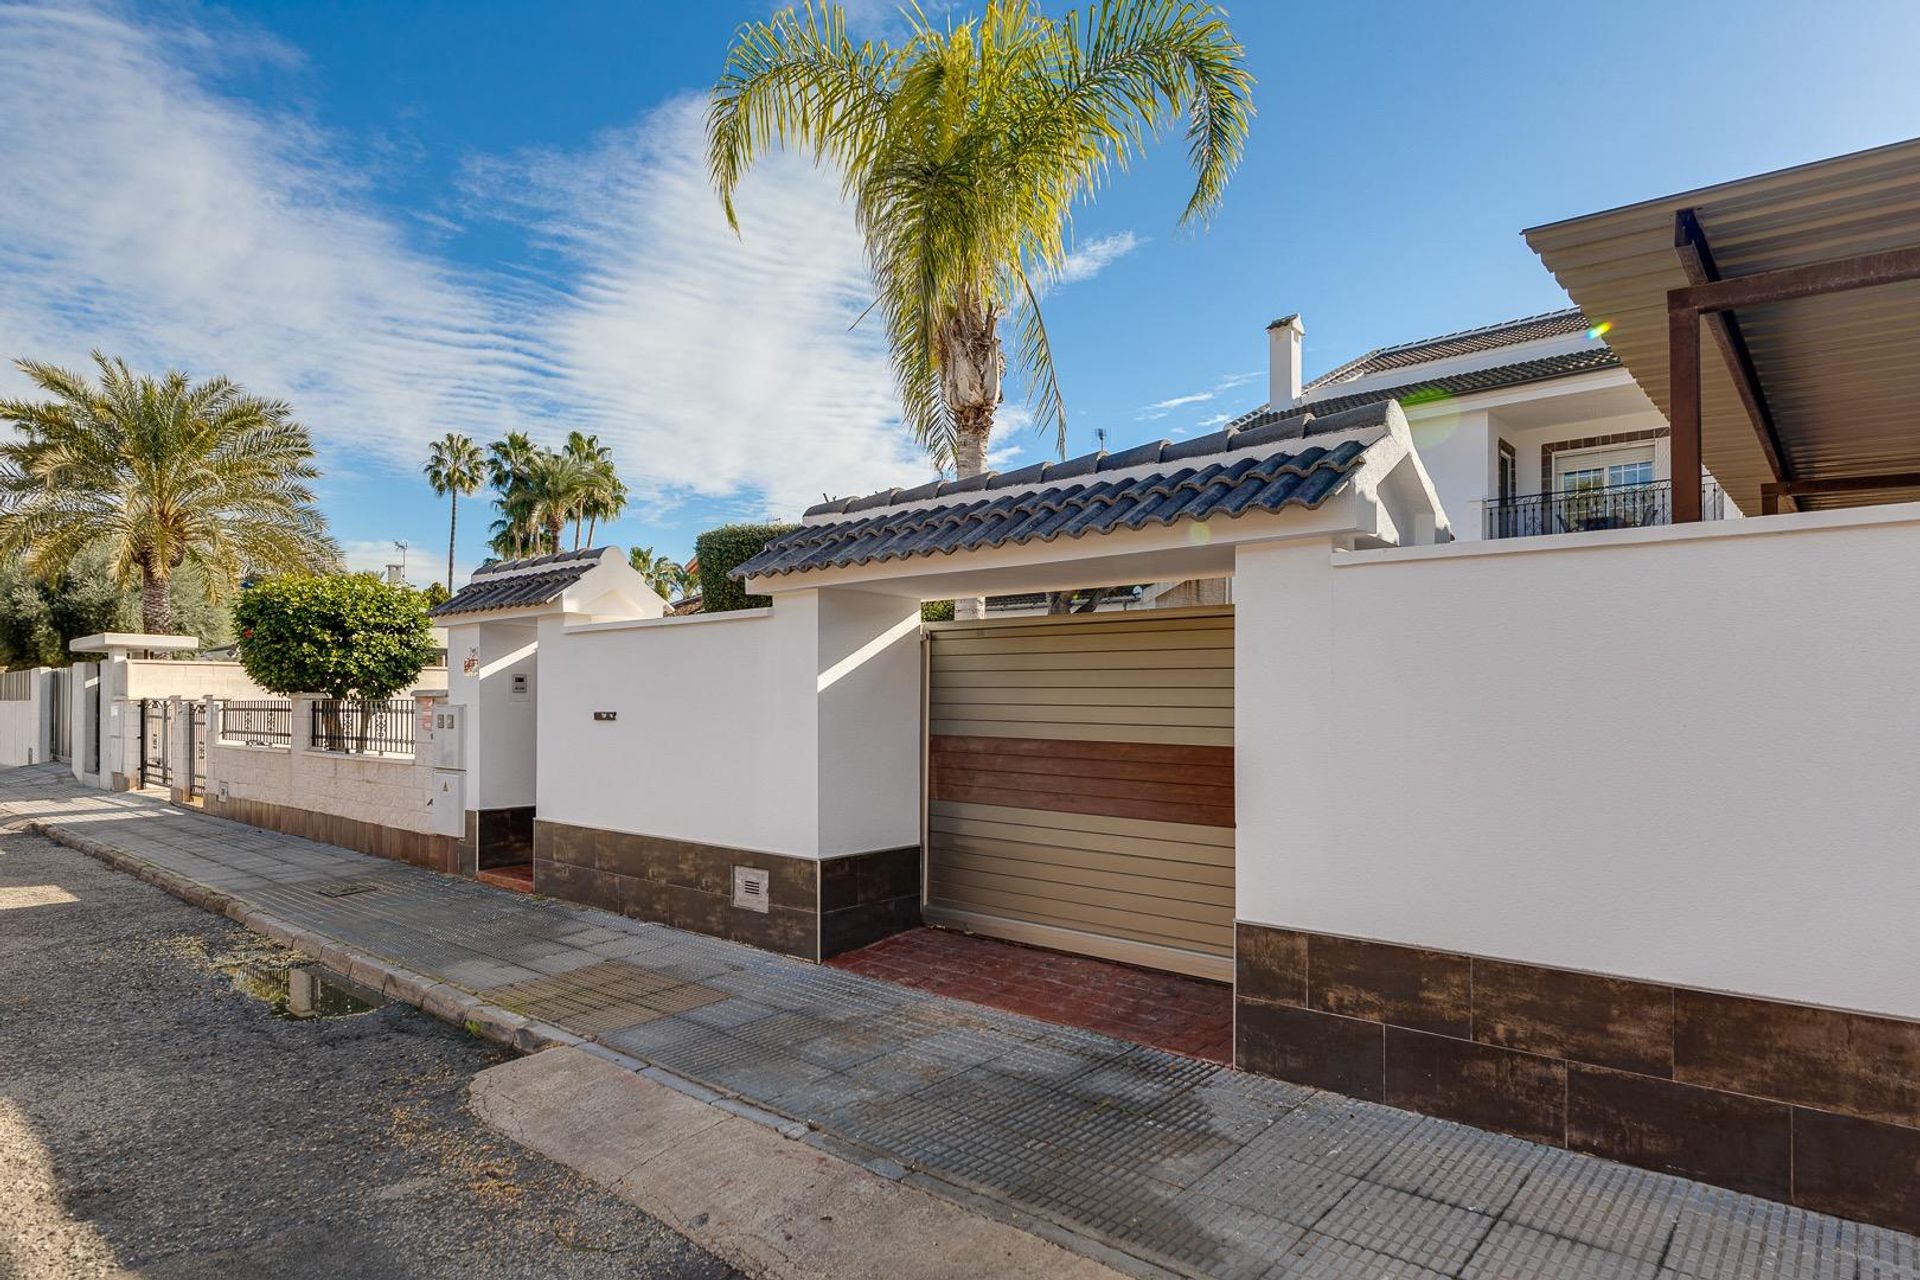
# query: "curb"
(430, 995)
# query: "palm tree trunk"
(453, 527)
(156, 604)
(971, 362)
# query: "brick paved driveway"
(1178, 1163)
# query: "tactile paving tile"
(1213, 1238)
(1470, 1168)
(1318, 1257)
(601, 997)
(1351, 1137)
(1723, 1235)
(1405, 1226)
(1625, 1210)
(1512, 1252)
(1294, 1190)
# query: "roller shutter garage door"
(1080, 784)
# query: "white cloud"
(1161, 408)
(725, 362)
(1090, 259)
(147, 214)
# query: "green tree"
(662, 574)
(719, 552)
(509, 460)
(454, 466)
(963, 151)
(162, 474)
(344, 636)
(606, 497)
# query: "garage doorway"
(1080, 784)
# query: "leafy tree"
(963, 151)
(433, 595)
(454, 466)
(39, 619)
(163, 475)
(342, 635)
(662, 574)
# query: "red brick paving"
(517, 876)
(1186, 1015)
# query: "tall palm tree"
(607, 497)
(557, 485)
(509, 460)
(963, 151)
(163, 474)
(454, 466)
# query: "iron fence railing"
(263, 723)
(376, 727)
(1624, 506)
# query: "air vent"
(750, 888)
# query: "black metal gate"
(156, 742)
(196, 750)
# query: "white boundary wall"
(1690, 755)
(389, 791)
(25, 724)
(791, 730)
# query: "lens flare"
(1600, 330)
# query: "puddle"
(277, 976)
(303, 991)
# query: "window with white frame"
(1608, 468)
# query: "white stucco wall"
(24, 723)
(1686, 755)
(1458, 450)
(792, 730)
(502, 760)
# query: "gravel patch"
(156, 1117)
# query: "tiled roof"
(1552, 324)
(1447, 386)
(519, 584)
(1230, 472)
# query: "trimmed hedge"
(937, 611)
(720, 551)
(342, 635)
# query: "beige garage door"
(1080, 784)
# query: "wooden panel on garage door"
(1080, 784)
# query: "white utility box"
(444, 733)
(448, 802)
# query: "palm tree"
(454, 466)
(163, 474)
(662, 574)
(607, 496)
(508, 462)
(963, 151)
(557, 485)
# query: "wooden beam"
(1696, 258)
(1683, 411)
(1770, 494)
(1835, 275)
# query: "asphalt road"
(155, 1119)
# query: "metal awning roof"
(1839, 373)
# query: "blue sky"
(414, 217)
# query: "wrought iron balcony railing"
(1625, 506)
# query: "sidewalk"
(1105, 1146)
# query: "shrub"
(722, 550)
(936, 611)
(342, 635)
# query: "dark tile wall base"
(1811, 1106)
(815, 909)
(435, 853)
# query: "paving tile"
(1597, 1203)
(1512, 1252)
(1722, 1235)
(1319, 1257)
(1402, 1225)
(1466, 1167)
(1347, 1136)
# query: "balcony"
(1626, 506)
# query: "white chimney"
(1283, 361)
